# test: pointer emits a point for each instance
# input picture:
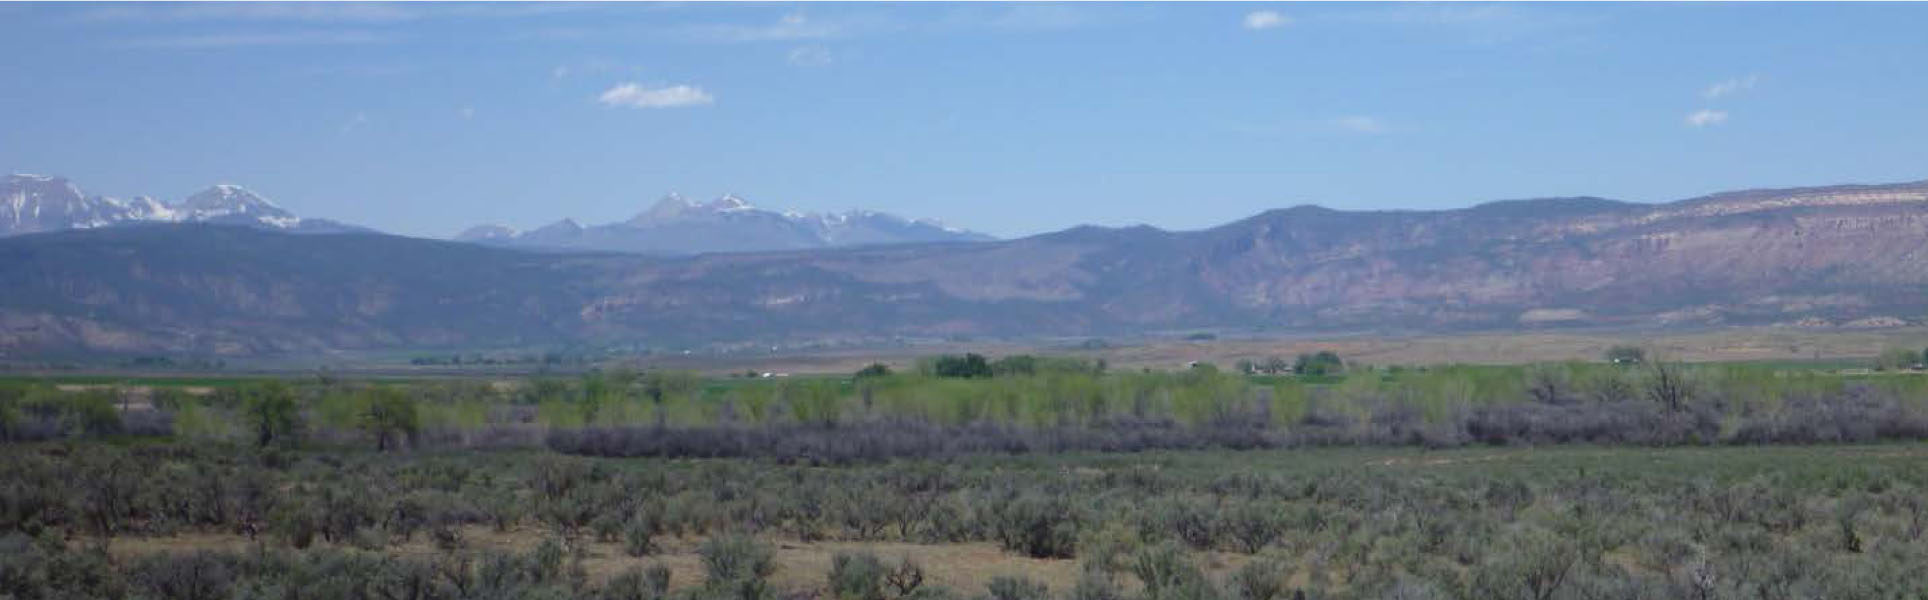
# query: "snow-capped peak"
(229, 198)
(670, 206)
(566, 225)
(675, 224)
(729, 203)
(24, 183)
(148, 209)
(488, 232)
(229, 203)
(30, 203)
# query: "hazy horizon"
(1007, 119)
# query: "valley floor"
(1331, 522)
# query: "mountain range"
(1823, 256)
(673, 226)
(37, 203)
(676, 225)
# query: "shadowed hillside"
(1835, 255)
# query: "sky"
(1010, 119)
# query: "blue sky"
(1008, 119)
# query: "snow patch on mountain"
(675, 224)
(39, 203)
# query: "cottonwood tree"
(1548, 384)
(390, 417)
(660, 384)
(1667, 384)
(1626, 355)
(1324, 362)
(272, 412)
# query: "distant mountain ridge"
(40, 203)
(1835, 256)
(676, 225)
(672, 226)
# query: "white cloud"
(243, 40)
(1266, 19)
(466, 112)
(1729, 87)
(633, 95)
(1706, 117)
(811, 56)
(1361, 124)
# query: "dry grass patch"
(966, 567)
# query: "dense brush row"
(1614, 526)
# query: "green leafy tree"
(91, 413)
(661, 385)
(873, 370)
(1626, 355)
(11, 418)
(1276, 365)
(390, 417)
(1323, 362)
(967, 366)
(272, 412)
(1897, 359)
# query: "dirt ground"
(967, 568)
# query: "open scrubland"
(1014, 479)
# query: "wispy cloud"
(466, 112)
(1706, 117)
(242, 40)
(1730, 87)
(1361, 124)
(632, 95)
(1266, 19)
(810, 56)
